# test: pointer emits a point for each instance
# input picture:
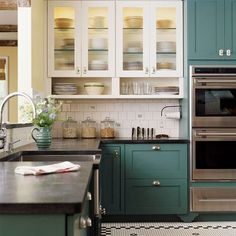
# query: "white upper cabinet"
(149, 39)
(81, 39)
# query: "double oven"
(213, 121)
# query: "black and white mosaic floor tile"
(170, 229)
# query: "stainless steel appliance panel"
(214, 154)
(213, 102)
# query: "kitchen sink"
(52, 156)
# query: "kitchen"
(134, 110)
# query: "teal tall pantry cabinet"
(211, 29)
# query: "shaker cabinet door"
(205, 29)
(230, 29)
(112, 179)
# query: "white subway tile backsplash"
(128, 113)
(65, 107)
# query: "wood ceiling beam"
(13, 4)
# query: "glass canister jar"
(89, 128)
(107, 128)
(69, 128)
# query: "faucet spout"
(2, 130)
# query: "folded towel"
(40, 170)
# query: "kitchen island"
(52, 204)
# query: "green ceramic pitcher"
(43, 137)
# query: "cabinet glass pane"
(166, 38)
(98, 38)
(132, 38)
(64, 38)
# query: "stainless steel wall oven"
(213, 134)
(214, 154)
(213, 96)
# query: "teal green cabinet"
(112, 179)
(211, 28)
(156, 196)
(156, 161)
(156, 179)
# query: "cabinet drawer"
(144, 197)
(156, 161)
(213, 199)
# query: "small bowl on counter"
(94, 88)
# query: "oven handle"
(215, 81)
(218, 200)
(96, 193)
(215, 134)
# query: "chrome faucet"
(3, 133)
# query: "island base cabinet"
(32, 225)
(151, 196)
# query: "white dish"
(98, 43)
(134, 49)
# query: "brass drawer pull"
(156, 183)
(156, 148)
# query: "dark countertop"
(88, 146)
(61, 193)
(140, 140)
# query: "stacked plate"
(165, 65)
(168, 90)
(166, 46)
(64, 88)
(133, 65)
(97, 65)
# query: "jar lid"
(88, 120)
(107, 120)
(69, 119)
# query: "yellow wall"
(11, 53)
(38, 15)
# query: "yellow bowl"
(134, 21)
(63, 22)
(163, 23)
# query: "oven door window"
(215, 102)
(215, 155)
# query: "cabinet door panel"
(98, 50)
(166, 41)
(64, 39)
(112, 179)
(132, 38)
(230, 29)
(142, 197)
(205, 29)
(167, 161)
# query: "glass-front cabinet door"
(98, 40)
(64, 38)
(132, 45)
(166, 49)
